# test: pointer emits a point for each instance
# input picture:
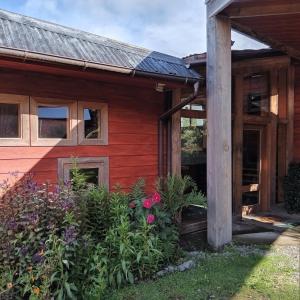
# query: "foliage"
(77, 240)
(292, 188)
(179, 192)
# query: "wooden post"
(238, 144)
(290, 113)
(219, 155)
(273, 136)
(176, 135)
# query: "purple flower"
(38, 257)
(24, 250)
(12, 225)
(32, 218)
(67, 204)
(32, 186)
(69, 235)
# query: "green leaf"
(139, 256)
(68, 289)
(66, 262)
(130, 278)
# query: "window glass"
(193, 150)
(91, 175)
(257, 95)
(91, 123)
(53, 121)
(9, 120)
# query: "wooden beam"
(238, 144)
(254, 65)
(176, 135)
(194, 114)
(219, 154)
(214, 7)
(266, 40)
(263, 10)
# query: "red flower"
(156, 197)
(132, 204)
(150, 219)
(147, 203)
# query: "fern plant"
(179, 192)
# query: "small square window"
(93, 123)
(14, 120)
(95, 169)
(53, 122)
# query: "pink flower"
(156, 197)
(147, 203)
(150, 219)
(132, 204)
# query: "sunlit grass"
(232, 274)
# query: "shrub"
(78, 241)
(292, 188)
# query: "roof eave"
(52, 59)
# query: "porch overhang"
(273, 22)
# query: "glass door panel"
(251, 166)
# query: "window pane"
(91, 175)
(53, 122)
(91, 123)
(9, 120)
(256, 96)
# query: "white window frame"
(71, 139)
(102, 163)
(24, 133)
(103, 107)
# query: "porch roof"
(274, 22)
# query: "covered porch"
(275, 23)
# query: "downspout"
(164, 117)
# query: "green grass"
(223, 276)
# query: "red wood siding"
(132, 143)
(297, 116)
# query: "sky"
(176, 27)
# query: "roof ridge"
(73, 33)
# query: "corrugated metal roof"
(32, 35)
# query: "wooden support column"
(176, 135)
(238, 144)
(282, 130)
(290, 113)
(272, 135)
(219, 154)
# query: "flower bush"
(79, 241)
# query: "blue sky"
(176, 27)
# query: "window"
(257, 94)
(14, 120)
(92, 127)
(95, 169)
(53, 122)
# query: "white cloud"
(176, 27)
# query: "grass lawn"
(236, 273)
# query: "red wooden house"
(68, 94)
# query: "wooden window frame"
(103, 107)
(23, 102)
(102, 163)
(71, 139)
